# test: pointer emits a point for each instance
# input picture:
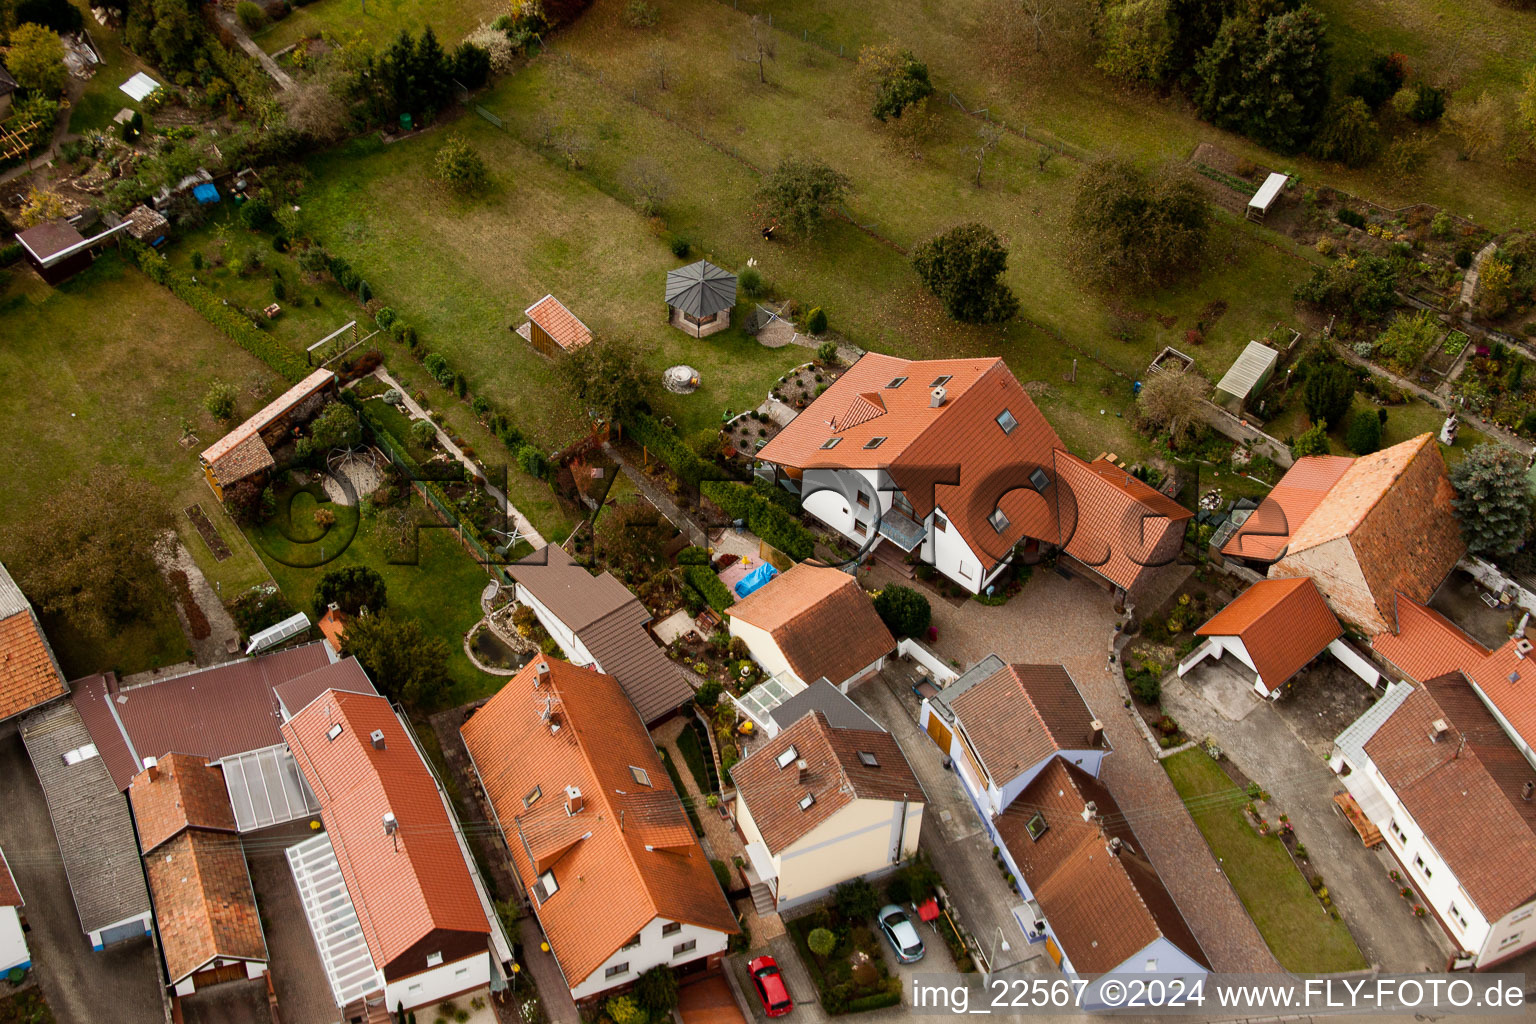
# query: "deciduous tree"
(36, 59)
(904, 611)
(1349, 134)
(352, 588)
(896, 78)
(963, 267)
(1134, 229)
(220, 400)
(606, 376)
(798, 194)
(1477, 124)
(1493, 499)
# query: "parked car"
(771, 990)
(903, 937)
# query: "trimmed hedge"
(647, 430)
(227, 319)
(878, 1001)
(693, 555)
(763, 517)
(703, 579)
(677, 784)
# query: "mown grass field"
(105, 370)
(379, 21)
(1298, 930)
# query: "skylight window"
(868, 759)
(831, 442)
(874, 442)
(533, 796)
(641, 775)
(333, 731)
(79, 754)
(998, 520)
(939, 382)
(1036, 826)
(898, 382)
(789, 757)
(806, 801)
(1038, 480)
(1006, 421)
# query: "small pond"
(494, 651)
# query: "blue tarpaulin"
(755, 579)
(205, 193)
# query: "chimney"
(937, 397)
(377, 739)
(1437, 730)
(391, 824)
(1114, 846)
(1525, 792)
(1522, 647)
(1097, 729)
(803, 768)
(152, 766)
(333, 606)
(1090, 811)
(541, 673)
(573, 800)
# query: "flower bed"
(800, 386)
(853, 977)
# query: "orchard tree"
(799, 193)
(1134, 228)
(1493, 499)
(1173, 401)
(897, 79)
(963, 267)
(460, 167)
(606, 376)
(1477, 124)
(36, 59)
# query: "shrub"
(424, 433)
(532, 461)
(1313, 442)
(250, 14)
(1441, 226)
(386, 318)
(904, 611)
(680, 246)
(763, 517)
(820, 941)
(640, 15)
(437, 365)
(1147, 687)
(460, 167)
(1353, 218)
(1408, 338)
(1463, 257)
(816, 321)
(625, 1010)
(693, 555)
(220, 400)
(703, 579)
(856, 900)
(751, 281)
(663, 443)
(826, 353)
(1364, 434)
(708, 695)
(256, 213)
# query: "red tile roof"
(29, 673)
(236, 446)
(1427, 645)
(205, 908)
(1115, 523)
(835, 776)
(406, 886)
(1103, 907)
(1020, 715)
(1267, 531)
(821, 620)
(1464, 790)
(1283, 625)
(634, 857)
(178, 793)
(559, 323)
(333, 624)
(10, 895)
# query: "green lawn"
(1404, 421)
(112, 366)
(102, 98)
(1299, 931)
(378, 21)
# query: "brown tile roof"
(1283, 625)
(835, 775)
(1394, 506)
(345, 674)
(1465, 791)
(333, 625)
(49, 239)
(243, 457)
(178, 793)
(211, 713)
(10, 895)
(822, 621)
(1267, 531)
(1427, 645)
(1115, 523)
(1103, 907)
(610, 623)
(406, 886)
(1019, 715)
(559, 323)
(610, 884)
(205, 908)
(29, 673)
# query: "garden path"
(664, 504)
(228, 19)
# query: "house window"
(333, 731)
(685, 947)
(434, 959)
(998, 520)
(898, 382)
(670, 928)
(1036, 826)
(1006, 421)
(862, 499)
(940, 523)
(859, 528)
(641, 775)
(1510, 939)
(546, 887)
(806, 801)
(831, 442)
(1418, 862)
(874, 442)
(616, 970)
(789, 757)
(868, 759)
(532, 796)
(1456, 915)
(1402, 837)
(899, 500)
(632, 943)
(1151, 965)
(940, 381)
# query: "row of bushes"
(10, 254)
(763, 517)
(693, 555)
(647, 430)
(227, 319)
(703, 579)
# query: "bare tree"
(759, 47)
(572, 145)
(1173, 401)
(315, 109)
(987, 138)
(656, 60)
(1036, 15)
(649, 184)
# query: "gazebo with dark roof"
(701, 297)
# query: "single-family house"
(598, 622)
(14, 954)
(423, 915)
(1095, 899)
(949, 460)
(1000, 724)
(1275, 628)
(553, 329)
(1451, 792)
(29, 671)
(700, 298)
(812, 622)
(1263, 534)
(246, 451)
(822, 804)
(92, 825)
(204, 903)
(597, 834)
(1385, 528)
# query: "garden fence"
(492, 118)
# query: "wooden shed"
(701, 297)
(555, 330)
(58, 252)
(1247, 376)
(246, 451)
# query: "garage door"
(122, 932)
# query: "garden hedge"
(703, 579)
(693, 555)
(647, 430)
(763, 517)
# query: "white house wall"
(859, 840)
(1511, 934)
(948, 552)
(440, 982)
(1160, 960)
(835, 500)
(13, 941)
(575, 651)
(765, 650)
(654, 949)
(1088, 760)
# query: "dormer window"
(874, 442)
(831, 442)
(898, 382)
(998, 520)
(1006, 421)
(789, 757)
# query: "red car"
(770, 986)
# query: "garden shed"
(701, 297)
(57, 251)
(1265, 197)
(1247, 376)
(553, 329)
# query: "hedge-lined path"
(696, 534)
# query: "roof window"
(1006, 421)
(533, 796)
(806, 801)
(831, 442)
(998, 520)
(333, 731)
(79, 754)
(545, 887)
(789, 757)
(940, 381)
(898, 382)
(1036, 826)
(874, 442)
(641, 775)
(1038, 480)
(868, 759)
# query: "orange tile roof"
(1103, 907)
(559, 323)
(333, 625)
(1465, 790)
(822, 621)
(835, 776)
(205, 908)
(178, 793)
(1267, 531)
(1118, 525)
(1019, 715)
(10, 895)
(407, 886)
(1427, 645)
(610, 884)
(239, 438)
(29, 675)
(1283, 625)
